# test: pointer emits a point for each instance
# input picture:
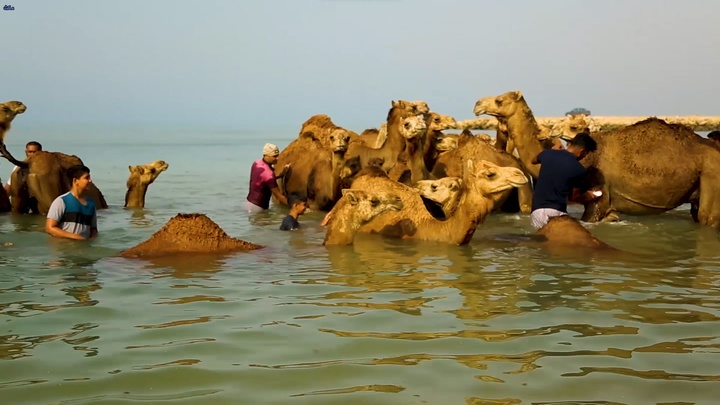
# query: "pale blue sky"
(272, 64)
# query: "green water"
(380, 322)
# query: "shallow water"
(499, 321)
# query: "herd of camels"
(408, 179)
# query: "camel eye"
(498, 101)
(491, 175)
(374, 202)
(433, 187)
(573, 128)
(5, 109)
(407, 125)
(152, 171)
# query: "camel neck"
(135, 195)
(523, 131)
(340, 230)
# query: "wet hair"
(583, 140)
(33, 143)
(714, 135)
(77, 171)
(295, 198)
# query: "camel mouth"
(434, 208)
(340, 149)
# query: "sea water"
(499, 321)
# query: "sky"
(274, 63)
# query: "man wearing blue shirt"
(72, 215)
(560, 172)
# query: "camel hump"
(188, 233)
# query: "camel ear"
(130, 169)
(518, 95)
(395, 103)
(351, 197)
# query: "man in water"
(72, 215)
(30, 149)
(560, 172)
(263, 183)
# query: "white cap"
(270, 150)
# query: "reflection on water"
(382, 321)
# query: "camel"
(560, 232)
(141, 176)
(410, 167)
(318, 175)
(395, 143)
(42, 176)
(316, 157)
(449, 165)
(8, 111)
(354, 209)
(436, 123)
(444, 192)
(481, 181)
(188, 234)
(646, 168)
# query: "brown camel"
(647, 168)
(559, 232)
(188, 233)
(395, 143)
(317, 154)
(410, 166)
(42, 176)
(318, 174)
(480, 182)
(8, 111)
(141, 176)
(444, 193)
(354, 209)
(449, 165)
(436, 123)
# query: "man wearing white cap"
(262, 180)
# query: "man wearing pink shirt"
(262, 180)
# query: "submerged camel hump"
(188, 233)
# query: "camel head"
(417, 107)
(350, 167)
(570, 126)
(146, 174)
(445, 192)
(367, 205)
(446, 143)
(339, 140)
(439, 122)
(413, 127)
(502, 106)
(489, 178)
(8, 111)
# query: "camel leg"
(4, 200)
(709, 206)
(44, 195)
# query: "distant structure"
(578, 111)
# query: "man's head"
(714, 136)
(297, 202)
(581, 145)
(270, 153)
(79, 176)
(32, 147)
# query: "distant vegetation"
(578, 110)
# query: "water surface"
(499, 321)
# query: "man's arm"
(52, 222)
(53, 228)
(536, 159)
(279, 195)
(93, 226)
